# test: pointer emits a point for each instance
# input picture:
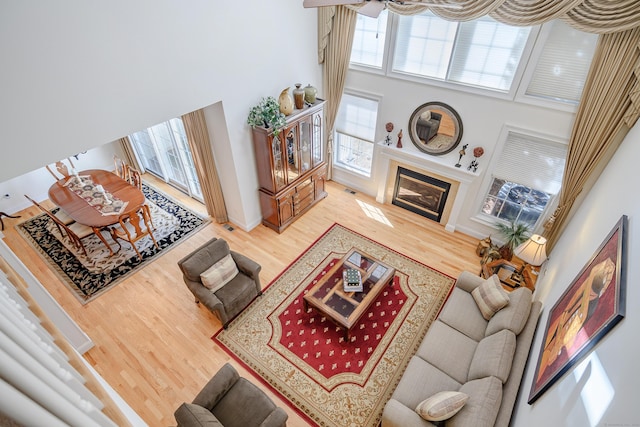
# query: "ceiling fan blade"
(321, 3)
(372, 8)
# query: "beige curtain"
(129, 154)
(336, 26)
(609, 108)
(198, 137)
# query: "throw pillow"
(490, 297)
(442, 406)
(220, 273)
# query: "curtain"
(338, 23)
(129, 154)
(610, 102)
(198, 138)
(609, 107)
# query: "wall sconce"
(532, 252)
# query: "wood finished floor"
(153, 343)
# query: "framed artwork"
(592, 305)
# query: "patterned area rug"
(299, 353)
(91, 275)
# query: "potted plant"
(267, 114)
(514, 234)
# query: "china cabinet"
(291, 166)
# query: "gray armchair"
(230, 400)
(228, 301)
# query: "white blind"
(483, 52)
(533, 162)
(368, 40)
(423, 45)
(563, 65)
(487, 53)
(357, 117)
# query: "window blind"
(531, 161)
(563, 65)
(357, 117)
(369, 39)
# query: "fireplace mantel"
(439, 165)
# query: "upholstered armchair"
(223, 280)
(230, 400)
(427, 125)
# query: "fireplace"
(422, 194)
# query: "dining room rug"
(88, 276)
(329, 380)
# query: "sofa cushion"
(514, 316)
(421, 380)
(220, 273)
(490, 297)
(442, 405)
(191, 415)
(493, 356)
(448, 350)
(462, 314)
(481, 410)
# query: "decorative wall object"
(592, 305)
(435, 128)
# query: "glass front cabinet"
(292, 168)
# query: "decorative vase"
(286, 102)
(310, 93)
(298, 97)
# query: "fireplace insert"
(422, 194)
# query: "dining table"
(96, 198)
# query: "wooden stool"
(8, 216)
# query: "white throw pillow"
(442, 406)
(490, 297)
(220, 273)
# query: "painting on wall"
(592, 305)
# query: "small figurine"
(462, 153)
(389, 128)
(399, 144)
(477, 153)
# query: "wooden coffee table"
(345, 308)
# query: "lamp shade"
(533, 250)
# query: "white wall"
(483, 120)
(565, 403)
(78, 74)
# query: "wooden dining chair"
(134, 178)
(63, 171)
(74, 231)
(59, 214)
(133, 227)
(121, 168)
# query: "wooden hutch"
(292, 168)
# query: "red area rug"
(305, 357)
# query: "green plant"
(267, 114)
(514, 234)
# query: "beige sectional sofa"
(464, 352)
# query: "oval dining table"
(84, 213)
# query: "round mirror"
(435, 128)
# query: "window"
(483, 52)
(164, 151)
(564, 62)
(525, 180)
(369, 40)
(355, 133)
(545, 65)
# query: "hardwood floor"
(153, 343)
